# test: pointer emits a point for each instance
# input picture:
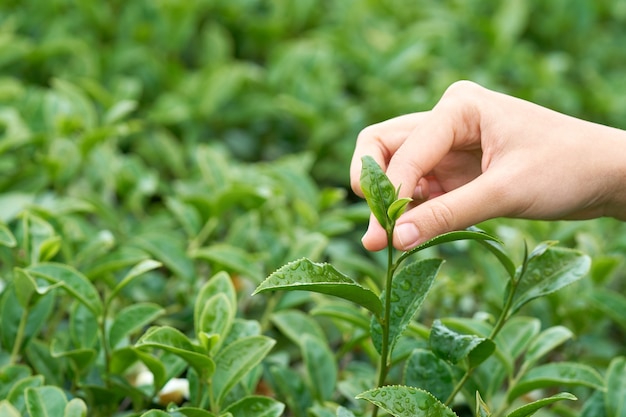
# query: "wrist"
(616, 176)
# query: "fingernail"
(408, 235)
(419, 192)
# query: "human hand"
(479, 154)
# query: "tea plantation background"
(215, 135)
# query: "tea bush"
(160, 159)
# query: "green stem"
(459, 386)
(384, 354)
(19, 337)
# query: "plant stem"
(459, 385)
(19, 337)
(384, 353)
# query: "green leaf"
(231, 258)
(141, 268)
(7, 410)
(131, 319)
(557, 374)
(171, 340)
(216, 318)
(170, 251)
(122, 359)
(346, 313)
(401, 401)
(256, 406)
(82, 358)
(531, 408)
(396, 208)
(295, 324)
(545, 342)
(344, 412)
(84, 332)
(426, 371)
(379, 192)
(75, 408)
(220, 283)
(27, 290)
(320, 365)
(17, 393)
(409, 288)
(45, 401)
(481, 408)
(193, 412)
(6, 237)
(470, 234)
(454, 347)
(155, 413)
(547, 271)
(304, 274)
(72, 281)
(615, 381)
(236, 360)
(611, 303)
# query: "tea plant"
(474, 358)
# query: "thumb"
(472, 203)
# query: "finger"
(484, 198)
(375, 238)
(453, 124)
(380, 141)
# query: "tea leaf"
(396, 208)
(379, 192)
(402, 401)
(131, 319)
(122, 359)
(45, 401)
(344, 412)
(295, 324)
(531, 408)
(469, 234)
(17, 394)
(481, 408)
(346, 313)
(169, 250)
(155, 413)
(548, 271)
(611, 303)
(27, 290)
(191, 412)
(72, 281)
(409, 288)
(216, 318)
(75, 408)
(454, 347)
(557, 374)
(137, 270)
(81, 357)
(6, 237)
(6, 409)
(426, 371)
(236, 360)
(546, 341)
(321, 367)
(615, 381)
(256, 406)
(220, 283)
(231, 258)
(304, 274)
(172, 340)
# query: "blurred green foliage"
(217, 134)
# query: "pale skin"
(479, 154)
